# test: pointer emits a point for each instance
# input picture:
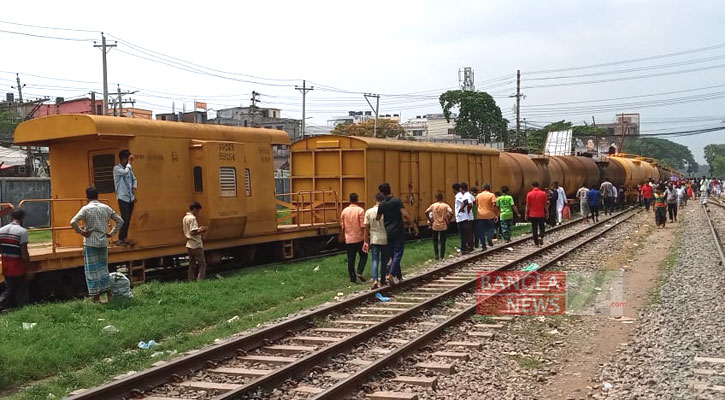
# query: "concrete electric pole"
(304, 89)
(105, 48)
(20, 87)
(518, 106)
(120, 101)
(376, 109)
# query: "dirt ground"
(642, 261)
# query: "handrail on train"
(306, 205)
(52, 228)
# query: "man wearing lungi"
(95, 216)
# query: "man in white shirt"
(560, 203)
(125, 183)
(376, 242)
(464, 216)
(581, 194)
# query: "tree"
(715, 157)
(8, 122)
(478, 115)
(665, 151)
(386, 129)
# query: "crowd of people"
(377, 233)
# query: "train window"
(248, 182)
(103, 172)
(228, 181)
(198, 180)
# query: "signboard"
(558, 143)
(596, 145)
(200, 104)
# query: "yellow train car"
(416, 171)
(229, 170)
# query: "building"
(627, 123)
(269, 118)
(195, 117)
(358, 117)
(431, 127)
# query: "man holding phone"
(194, 244)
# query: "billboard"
(558, 143)
(597, 145)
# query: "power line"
(48, 27)
(632, 60)
(45, 36)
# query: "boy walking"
(376, 242)
(439, 216)
(395, 217)
(506, 207)
(95, 216)
(353, 226)
(194, 244)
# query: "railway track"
(252, 366)
(713, 231)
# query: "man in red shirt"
(647, 194)
(15, 261)
(537, 211)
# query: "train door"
(410, 182)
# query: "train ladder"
(137, 272)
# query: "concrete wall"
(13, 190)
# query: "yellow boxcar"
(416, 171)
(229, 170)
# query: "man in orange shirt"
(537, 211)
(486, 216)
(353, 227)
(439, 216)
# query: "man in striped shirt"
(15, 261)
(95, 216)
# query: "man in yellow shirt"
(486, 216)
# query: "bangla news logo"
(521, 293)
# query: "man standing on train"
(125, 182)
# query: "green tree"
(665, 151)
(478, 115)
(8, 122)
(386, 129)
(715, 157)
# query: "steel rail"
(196, 360)
(349, 384)
(304, 364)
(713, 231)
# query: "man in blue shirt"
(593, 196)
(125, 183)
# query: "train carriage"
(415, 170)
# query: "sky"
(407, 51)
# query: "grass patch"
(526, 362)
(68, 350)
(482, 319)
(39, 236)
(667, 266)
(68, 344)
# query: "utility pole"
(120, 101)
(465, 79)
(253, 106)
(20, 87)
(518, 106)
(105, 48)
(376, 109)
(304, 89)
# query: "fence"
(13, 190)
